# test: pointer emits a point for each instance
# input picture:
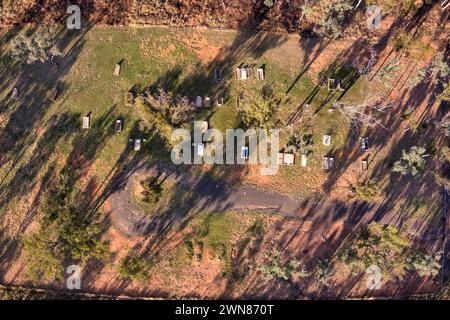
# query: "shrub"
(268, 3)
(445, 95)
(258, 228)
(411, 162)
(276, 269)
(65, 234)
(330, 24)
(259, 111)
(324, 272)
(444, 125)
(425, 264)
(152, 190)
(417, 78)
(134, 268)
(388, 71)
(39, 47)
(442, 179)
(300, 143)
(43, 264)
(367, 191)
(445, 154)
(390, 249)
(439, 68)
(438, 71)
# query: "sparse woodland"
(388, 86)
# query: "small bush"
(445, 154)
(268, 3)
(324, 272)
(425, 264)
(300, 143)
(257, 229)
(134, 268)
(152, 190)
(367, 191)
(276, 269)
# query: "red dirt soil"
(187, 13)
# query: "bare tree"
(365, 68)
(181, 110)
(364, 114)
(176, 109)
(438, 71)
(444, 125)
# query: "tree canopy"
(390, 249)
(65, 234)
(39, 47)
(412, 162)
(260, 110)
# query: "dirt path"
(201, 193)
(205, 194)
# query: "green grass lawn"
(161, 57)
(212, 238)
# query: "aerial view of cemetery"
(207, 149)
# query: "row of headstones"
(245, 73)
(364, 142)
(87, 124)
(118, 124)
(205, 102)
(289, 158)
(283, 158)
(328, 162)
(241, 73)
